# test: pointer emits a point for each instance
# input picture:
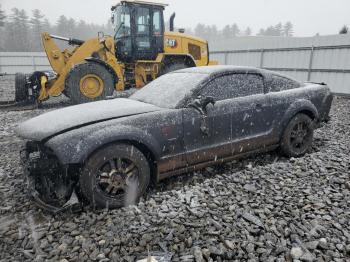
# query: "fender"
(187, 58)
(298, 106)
(106, 65)
(75, 146)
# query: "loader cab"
(139, 30)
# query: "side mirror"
(205, 101)
(100, 35)
(201, 103)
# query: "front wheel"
(115, 176)
(88, 82)
(298, 135)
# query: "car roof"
(214, 70)
(217, 69)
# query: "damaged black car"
(108, 152)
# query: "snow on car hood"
(51, 123)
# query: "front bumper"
(34, 167)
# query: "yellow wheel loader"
(139, 52)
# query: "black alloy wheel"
(115, 176)
(298, 136)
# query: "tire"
(101, 185)
(74, 87)
(65, 93)
(20, 87)
(173, 67)
(298, 136)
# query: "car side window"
(279, 83)
(233, 86)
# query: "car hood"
(61, 120)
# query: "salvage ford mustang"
(108, 152)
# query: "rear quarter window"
(233, 86)
(278, 83)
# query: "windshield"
(169, 90)
(121, 21)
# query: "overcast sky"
(308, 16)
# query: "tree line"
(21, 32)
(212, 33)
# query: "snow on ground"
(7, 88)
(266, 208)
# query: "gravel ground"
(263, 208)
(7, 88)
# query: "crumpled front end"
(50, 184)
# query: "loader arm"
(63, 61)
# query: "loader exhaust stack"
(172, 17)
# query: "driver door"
(123, 33)
(149, 33)
(216, 143)
(143, 33)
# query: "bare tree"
(235, 30)
(276, 30)
(200, 30)
(288, 29)
(37, 25)
(212, 32)
(71, 29)
(46, 25)
(344, 30)
(2, 29)
(272, 31)
(109, 28)
(261, 32)
(61, 25)
(2, 17)
(17, 31)
(227, 32)
(248, 31)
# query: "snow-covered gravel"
(265, 208)
(7, 88)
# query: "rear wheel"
(20, 87)
(87, 82)
(115, 176)
(298, 135)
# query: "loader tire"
(173, 67)
(20, 87)
(88, 82)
